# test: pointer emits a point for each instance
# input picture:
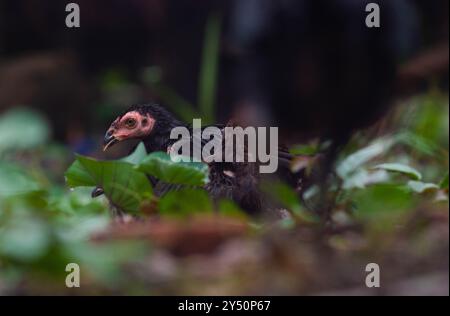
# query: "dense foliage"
(47, 220)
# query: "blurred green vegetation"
(46, 223)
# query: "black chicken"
(238, 181)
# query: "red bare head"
(131, 125)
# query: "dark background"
(309, 67)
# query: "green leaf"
(430, 119)
(125, 187)
(24, 238)
(185, 202)
(417, 142)
(362, 178)
(22, 128)
(79, 201)
(444, 182)
(362, 156)
(15, 180)
(160, 165)
(422, 187)
(78, 176)
(104, 262)
(400, 168)
(382, 199)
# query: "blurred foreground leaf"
(382, 198)
(24, 238)
(14, 180)
(21, 128)
(104, 262)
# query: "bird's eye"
(130, 123)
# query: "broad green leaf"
(78, 176)
(400, 168)
(22, 128)
(184, 202)
(444, 182)
(123, 185)
(160, 165)
(421, 187)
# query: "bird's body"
(237, 181)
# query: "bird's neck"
(160, 140)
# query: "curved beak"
(109, 140)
